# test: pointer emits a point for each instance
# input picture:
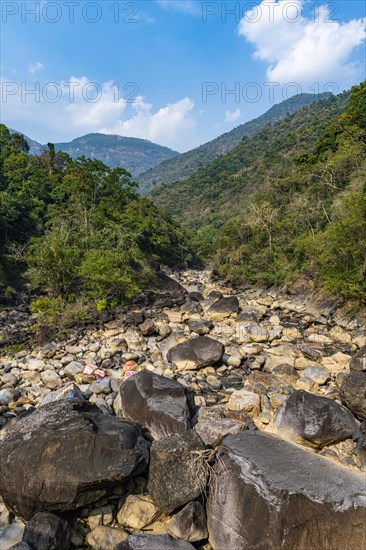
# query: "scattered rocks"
(175, 360)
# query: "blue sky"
(176, 72)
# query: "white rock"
(36, 364)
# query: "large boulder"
(65, 455)
(161, 405)
(313, 420)
(198, 352)
(153, 542)
(178, 472)
(353, 393)
(223, 308)
(46, 531)
(267, 493)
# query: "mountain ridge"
(188, 163)
(133, 154)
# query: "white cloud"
(300, 49)
(62, 111)
(232, 116)
(170, 125)
(191, 7)
(90, 105)
(34, 68)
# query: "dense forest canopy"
(76, 228)
(289, 200)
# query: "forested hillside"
(289, 199)
(180, 168)
(77, 229)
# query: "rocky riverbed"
(197, 418)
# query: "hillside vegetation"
(180, 168)
(77, 229)
(289, 200)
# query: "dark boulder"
(195, 296)
(161, 405)
(153, 542)
(267, 493)
(313, 420)
(21, 546)
(353, 393)
(65, 455)
(134, 318)
(358, 361)
(190, 523)
(167, 288)
(192, 308)
(46, 531)
(215, 295)
(200, 327)
(178, 472)
(223, 308)
(196, 353)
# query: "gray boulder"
(353, 393)
(267, 493)
(313, 420)
(196, 353)
(46, 531)
(178, 472)
(65, 455)
(161, 405)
